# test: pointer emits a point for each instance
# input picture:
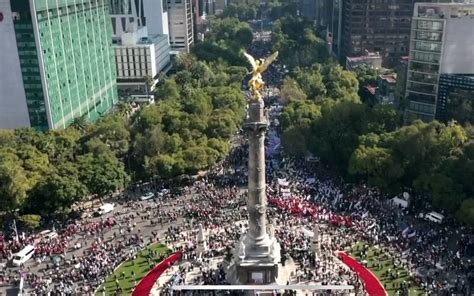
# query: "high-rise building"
(376, 26)
(156, 15)
(207, 7)
(13, 107)
(180, 15)
(308, 9)
(139, 56)
(329, 23)
(66, 60)
(150, 13)
(220, 5)
(441, 62)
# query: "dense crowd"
(301, 194)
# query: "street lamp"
(14, 228)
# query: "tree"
(379, 165)
(311, 82)
(113, 131)
(460, 107)
(57, 193)
(295, 140)
(242, 11)
(336, 132)
(80, 123)
(291, 91)
(198, 158)
(383, 118)
(297, 42)
(466, 211)
(14, 183)
(366, 74)
(60, 145)
(300, 113)
(102, 174)
(341, 84)
(168, 90)
(31, 221)
(221, 124)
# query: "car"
(48, 234)
(104, 209)
(147, 196)
(163, 192)
(434, 217)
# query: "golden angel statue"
(259, 66)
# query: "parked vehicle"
(104, 209)
(24, 255)
(163, 192)
(433, 217)
(147, 196)
(48, 234)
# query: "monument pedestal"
(257, 264)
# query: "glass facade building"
(453, 88)
(440, 46)
(66, 59)
(376, 26)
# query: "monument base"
(256, 273)
(257, 263)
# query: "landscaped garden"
(384, 267)
(129, 273)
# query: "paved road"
(142, 227)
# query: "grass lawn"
(139, 266)
(375, 257)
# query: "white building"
(441, 46)
(156, 14)
(180, 14)
(139, 56)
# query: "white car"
(147, 196)
(434, 217)
(163, 192)
(48, 234)
(105, 208)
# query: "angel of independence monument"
(258, 253)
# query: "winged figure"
(259, 66)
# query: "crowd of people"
(213, 219)
(81, 255)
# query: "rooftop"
(143, 41)
(371, 89)
(458, 9)
(368, 56)
(390, 78)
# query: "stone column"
(257, 255)
(257, 240)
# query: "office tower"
(66, 60)
(328, 22)
(207, 7)
(308, 9)
(150, 13)
(13, 107)
(180, 14)
(139, 56)
(220, 5)
(441, 58)
(376, 26)
(156, 15)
